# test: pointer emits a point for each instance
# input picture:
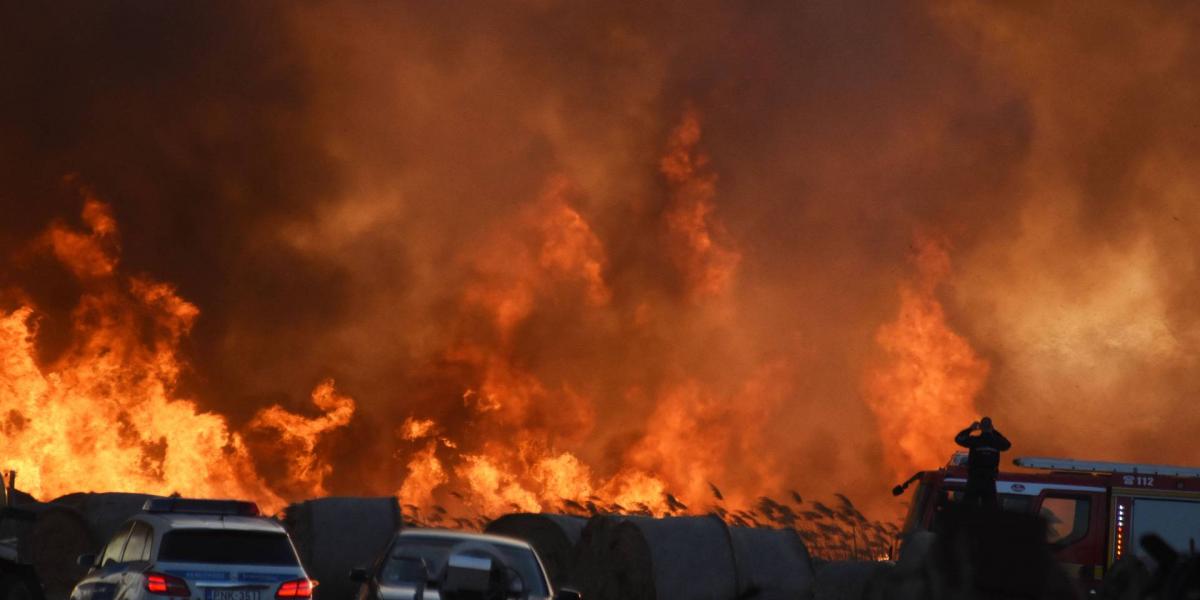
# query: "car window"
(1066, 519)
(436, 550)
(227, 547)
(138, 547)
(112, 552)
(149, 549)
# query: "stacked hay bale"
(553, 537)
(772, 564)
(105, 512)
(589, 571)
(684, 558)
(335, 535)
(675, 557)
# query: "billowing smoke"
(573, 250)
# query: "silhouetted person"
(983, 461)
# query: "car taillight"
(166, 585)
(297, 588)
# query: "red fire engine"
(1096, 511)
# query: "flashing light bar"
(197, 506)
(1123, 526)
(1099, 466)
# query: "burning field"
(748, 259)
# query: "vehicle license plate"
(233, 594)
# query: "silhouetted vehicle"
(18, 578)
(196, 549)
(437, 564)
(1096, 511)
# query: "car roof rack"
(1099, 466)
(200, 506)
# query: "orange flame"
(106, 415)
(525, 443)
(707, 263)
(513, 271)
(925, 391)
(530, 456)
(297, 437)
(425, 474)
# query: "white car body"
(123, 571)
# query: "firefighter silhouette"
(983, 461)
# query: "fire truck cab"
(1096, 511)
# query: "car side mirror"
(568, 594)
(359, 575)
(86, 560)
(516, 585)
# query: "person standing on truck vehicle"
(983, 461)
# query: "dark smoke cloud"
(321, 180)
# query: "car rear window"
(227, 547)
(435, 551)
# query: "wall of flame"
(670, 258)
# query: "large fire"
(571, 257)
(107, 414)
(104, 415)
(925, 392)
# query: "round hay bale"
(552, 536)
(643, 558)
(590, 573)
(772, 563)
(335, 535)
(105, 512)
(58, 536)
(19, 498)
(689, 557)
(18, 521)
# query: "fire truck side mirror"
(896, 491)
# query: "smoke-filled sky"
(753, 244)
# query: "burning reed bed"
(833, 531)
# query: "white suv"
(196, 549)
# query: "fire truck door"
(1076, 529)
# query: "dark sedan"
(437, 564)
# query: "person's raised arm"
(1002, 442)
(964, 437)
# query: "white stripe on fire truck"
(1033, 489)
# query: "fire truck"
(1096, 512)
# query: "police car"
(199, 550)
